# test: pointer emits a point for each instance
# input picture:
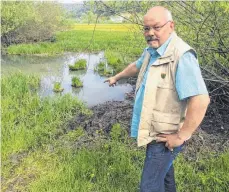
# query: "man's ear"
(172, 25)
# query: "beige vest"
(162, 111)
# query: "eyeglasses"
(156, 28)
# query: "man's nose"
(151, 32)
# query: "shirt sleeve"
(140, 60)
(189, 80)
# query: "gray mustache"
(149, 38)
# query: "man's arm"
(197, 107)
(129, 71)
(196, 110)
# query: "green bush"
(24, 21)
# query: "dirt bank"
(211, 136)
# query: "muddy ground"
(212, 135)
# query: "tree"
(29, 21)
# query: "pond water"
(56, 68)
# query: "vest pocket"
(164, 122)
(166, 99)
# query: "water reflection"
(55, 68)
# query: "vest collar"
(161, 50)
(169, 49)
(168, 55)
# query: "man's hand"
(112, 81)
(129, 71)
(171, 140)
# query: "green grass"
(78, 41)
(106, 27)
(103, 70)
(76, 82)
(28, 121)
(57, 87)
(108, 72)
(210, 173)
(120, 48)
(113, 164)
(100, 67)
(104, 166)
(78, 65)
(116, 164)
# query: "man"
(171, 99)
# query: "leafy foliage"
(24, 21)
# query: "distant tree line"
(30, 21)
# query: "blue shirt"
(189, 81)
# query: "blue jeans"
(158, 171)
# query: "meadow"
(40, 152)
(122, 43)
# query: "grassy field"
(39, 153)
(28, 122)
(122, 43)
(106, 27)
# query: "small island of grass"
(102, 70)
(57, 87)
(100, 67)
(76, 82)
(79, 65)
(108, 72)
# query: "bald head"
(158, 26)
(159, 13)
